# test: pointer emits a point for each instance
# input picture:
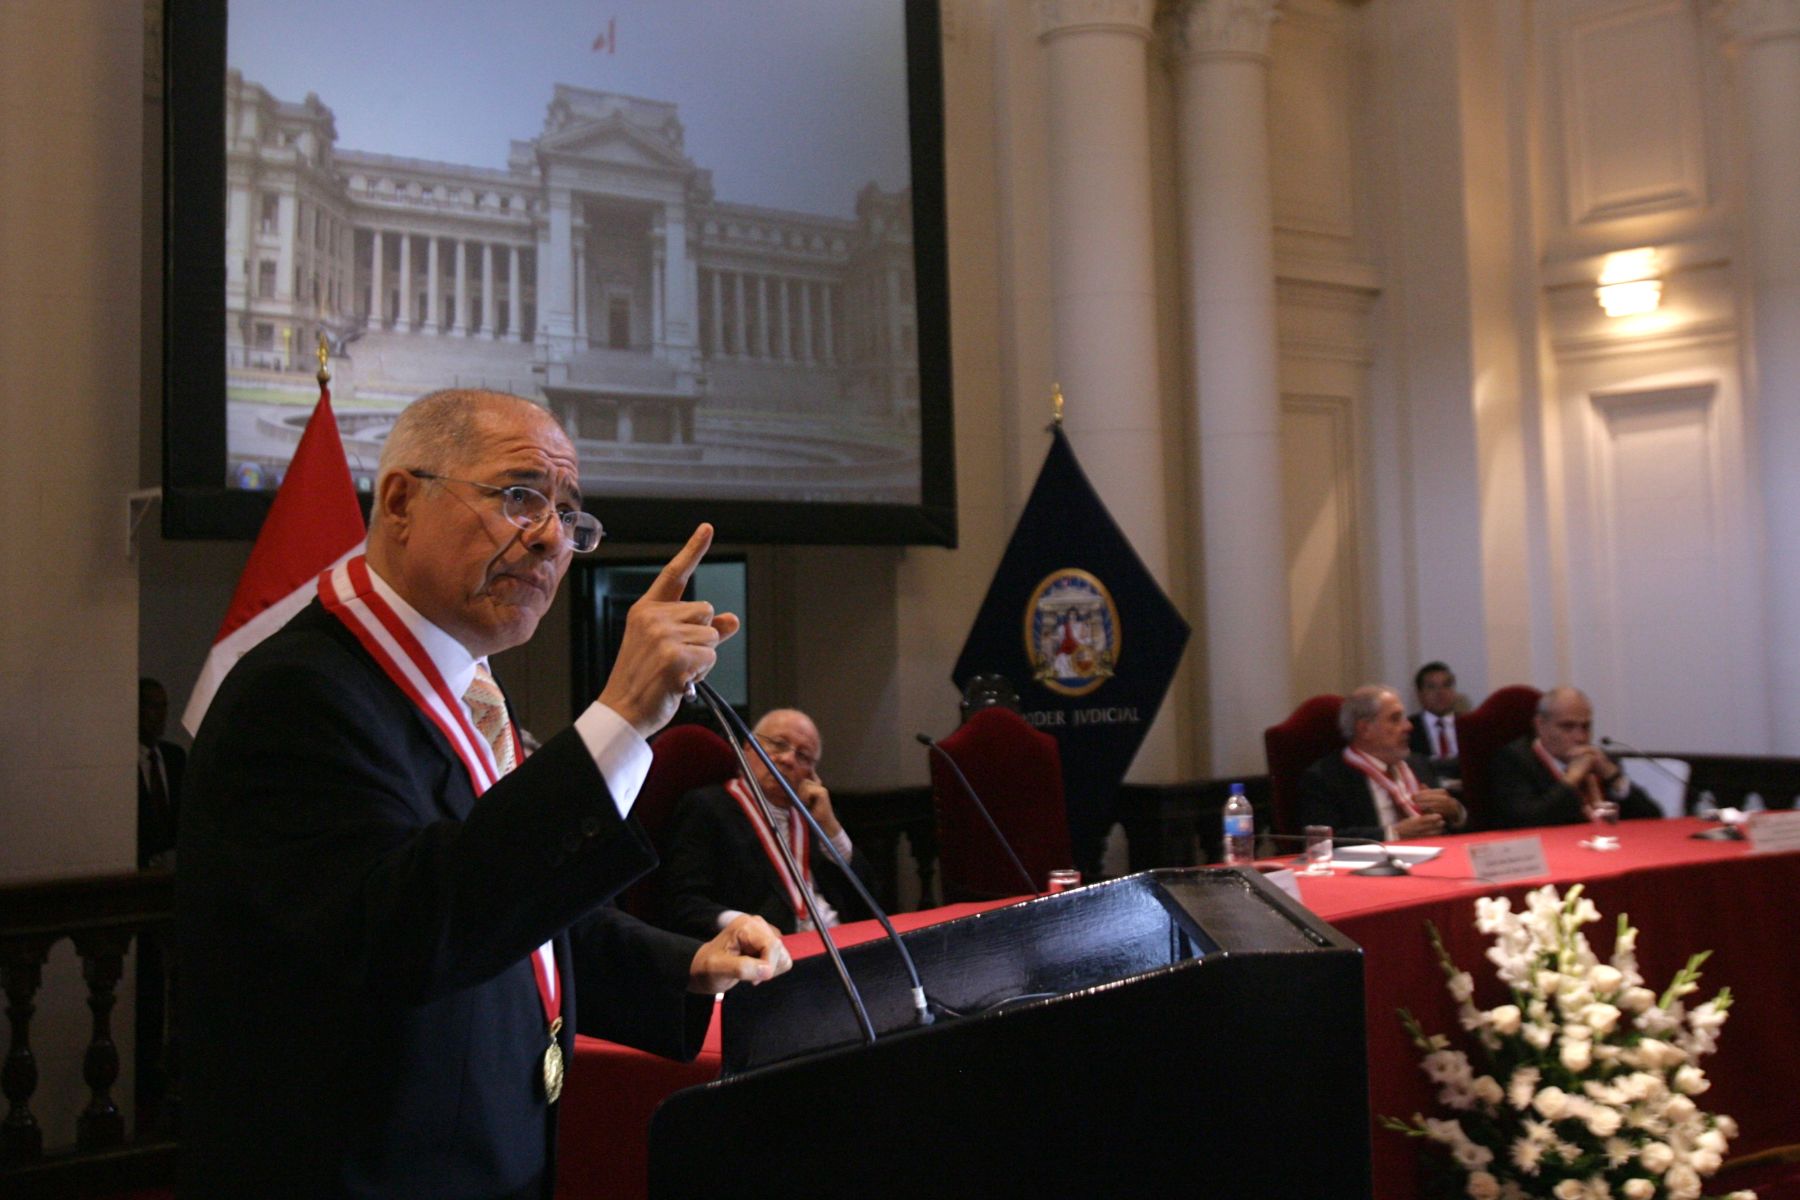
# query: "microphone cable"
(719, 708)
(969, 790)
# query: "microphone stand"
(1722, 833)
(837, 961)
(921, 1003)
(969, 790)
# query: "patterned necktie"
(1443, 724)
(488, 707)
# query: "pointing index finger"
(673, 579)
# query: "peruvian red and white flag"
(314, 524)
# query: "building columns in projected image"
(689, 344)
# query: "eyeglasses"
(527, 508)
(780, 745)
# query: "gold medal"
(553, 1064)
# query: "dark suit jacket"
(359, 1015)
(1522, 793)
(1334, 793)
(716, 863)
(1420, 742)
(156, 824)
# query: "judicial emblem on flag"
(1071, 632)
(1086, 636)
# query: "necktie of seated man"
(488, 707)
(1443, 724)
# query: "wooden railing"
(101, 915)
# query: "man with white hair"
(383, 906)
(722, 863)
(1558, 776)
(1374, 788)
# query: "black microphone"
(921, 1003)
(1724, 833)
(1391, 865)
(719, 708)
(969, 791)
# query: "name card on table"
(1515, 858)
(1774, 831)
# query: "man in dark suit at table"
(722, 863)
(1559, 776)
(160, 767)
(1373, 788)
(382, 906)
(1434, 725)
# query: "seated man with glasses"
(721, 863)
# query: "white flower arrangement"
(1587, 1092)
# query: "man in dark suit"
(1434, 732)
(721, 862)
(1560, 776)
(160, 766)
(384, 911)
(1373, 788)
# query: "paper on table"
(1407, 853)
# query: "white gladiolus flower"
(1569, 1189)
(1601, 1018)
(1550, 1103)
(1636, 999)
(1522, 1086)
(1691, 1081)
(1657, 1157)
(1606, 979)
(1538, 1037)
(1462, 986)
(1577, 1055)
(1682, 1182)
(1705, 1162)
(1487, 1091)
(1483, 1186)
(1638, 1189)
(1726, 1125)
(1603, 1122)
(1712, 1140)
(1618, 1151)
(1472, 1155)
(1448, 1132)
(1505, 1019)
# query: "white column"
(515, 308)
(658, 265)
(737, 316)
(1238, 551)
(555, 275)
(787, 319)
(1767, 37)
(490, 303)
(762, 317)
(581, 286)
(459, 325)
(806, 334)
(680, 295)
(827, 306)
(377, 293)
(403, 321)
(1103, 284)
(433, 316)
(718, 315)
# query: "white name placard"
(1286, 880)
(1514, 858)
(1774, 831)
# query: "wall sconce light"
(1629, 283)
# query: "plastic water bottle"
(1240, 827)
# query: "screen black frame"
(198, 505)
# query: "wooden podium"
(1188, 1030)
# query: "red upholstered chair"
(683, 757)
(1309, 734)
(1017, 772)
(1503, 717)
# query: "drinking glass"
(1062, 879)
(1604, 814)
(1318, 850)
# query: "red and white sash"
(1400, 790)
(1590, 790)
(797, 844)
(348, 593)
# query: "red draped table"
(1684, 896)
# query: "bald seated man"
(721, 863)
(1557, 775)
(1374, 787)
(390, 920)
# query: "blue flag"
(1085, 635)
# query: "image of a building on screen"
(690, 345)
